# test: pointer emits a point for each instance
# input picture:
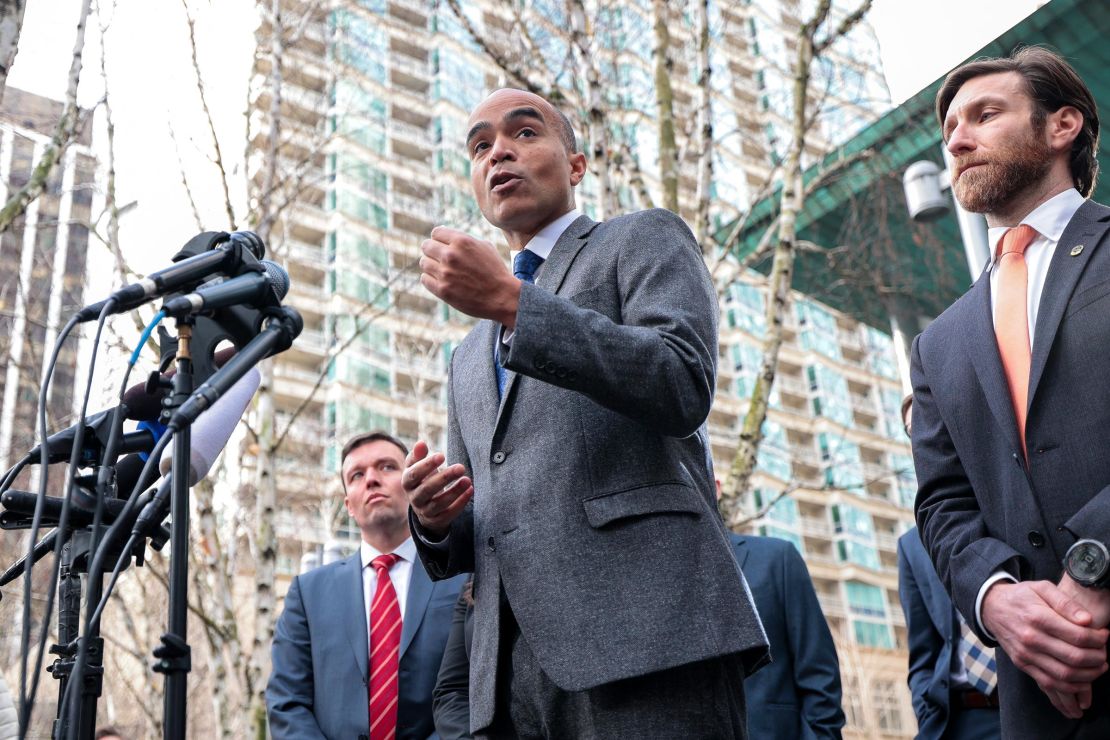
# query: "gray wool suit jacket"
(594, 510)
(980, 508)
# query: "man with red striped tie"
(358, 646)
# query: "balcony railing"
(410, 66)
(850, 340)
(306, 253)
(814, 526)
(311, 341)
(417, 207)
(407, 131)
(864, 404)
(786, 384)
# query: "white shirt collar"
(406, 550)
(1049, 218)
(544, 240)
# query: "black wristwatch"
(1088, 564)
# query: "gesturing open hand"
(436, 495)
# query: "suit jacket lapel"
(983, 348)
(483, 384)
(741, 552)
(353, 612)
(562, 255)
(420, 592)
(1063, 274)
(551, 277)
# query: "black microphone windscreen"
(144, 406)
(279, 278)
(128, 470)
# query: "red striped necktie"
(385, 644)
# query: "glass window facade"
(817, 329)
(844, 469)
(830, 394)
(855, 536)
(745, 308)
(773, 457)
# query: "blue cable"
(146, 335)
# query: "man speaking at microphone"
(607, 602)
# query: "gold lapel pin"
(1077, 250)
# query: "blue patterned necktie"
(525, 265)
(977, 658)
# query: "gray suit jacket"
(594, 511)
(979, 507)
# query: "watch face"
(1087, 562)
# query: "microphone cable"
(81, 658)
(96, 570)
(117, 425)
(14, 472)
(27, 698)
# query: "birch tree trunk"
(265, 539)
(11, 23)
(223, 630)
(597, 126)
(705, 129)
(778, 286)
(265, 553)
(664, 99)
(63, 132)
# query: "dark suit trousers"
(702, 700)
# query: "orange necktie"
(1011, 319)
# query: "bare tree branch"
(219, 159)
(63, 133)
(11, 23)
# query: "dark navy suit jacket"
(981, 505)
(798, 694)
(931, 631)
(318, 687)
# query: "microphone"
(277, 337)
(239, 253)
(60, 444)
(212, 430)
(209, 436)
(260, 290)
(142, 402)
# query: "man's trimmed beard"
(1009, 171)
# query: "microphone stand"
(174, 656)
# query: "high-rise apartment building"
(374, 96)
(42, 267)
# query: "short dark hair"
(567, 131)
(107, 731)
(1052, 83)
(366, 438)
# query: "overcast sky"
(152, 84)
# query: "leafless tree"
(11, 23)
(813, 39)
(63, 133)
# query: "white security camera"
(922, 183)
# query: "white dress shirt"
(1049, 220)
(399, 574)
(542, 244)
